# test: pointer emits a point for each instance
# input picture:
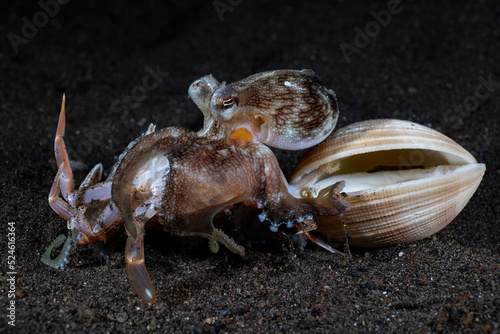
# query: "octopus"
(179, 180)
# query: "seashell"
(404, 181)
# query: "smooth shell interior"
(383, 168)
(357, 183)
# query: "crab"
(180, 180)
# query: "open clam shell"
(404, 181)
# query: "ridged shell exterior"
(400, 212)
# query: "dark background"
(422, 66)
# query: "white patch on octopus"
(151, 179)
(293, 85)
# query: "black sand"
(424, 61)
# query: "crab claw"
(137, 272)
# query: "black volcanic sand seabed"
(422, 63)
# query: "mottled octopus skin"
(207, 176)
(286, 109)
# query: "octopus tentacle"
(219, 236)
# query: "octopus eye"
(228, 103)
(225, 102)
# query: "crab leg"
(109, 218)
(137, 272)
(134, 253)
(307, 225)
(82, 232)
(92, 177)
(321, 243)
(95, 192)
(75, 217)
(66, 183)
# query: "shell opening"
(359, 182)
(382, 168)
